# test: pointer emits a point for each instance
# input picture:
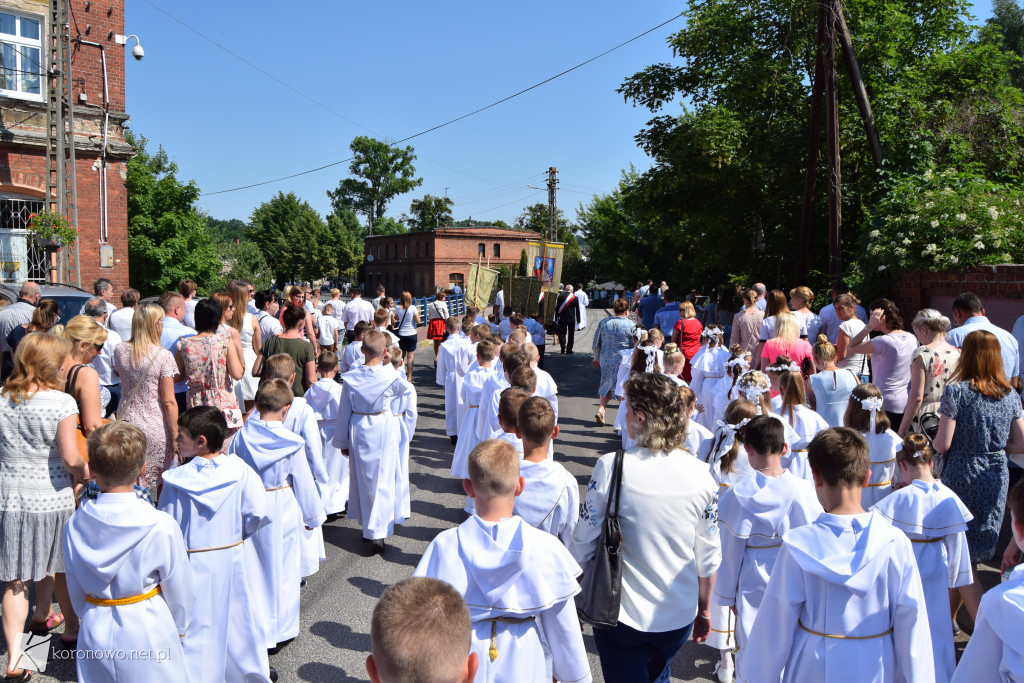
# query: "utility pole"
(60, 145)
(552, 209)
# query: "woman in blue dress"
(614, 334)
(980, 420)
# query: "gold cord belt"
(471, 407)
(881, 483)
(763, 547)
(925, 540)
(799, 450)
(220, 547)
(493, 652)
(278, 488)
(356, 412)
(842, 637)
(117, 602)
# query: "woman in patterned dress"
(39, 462)
(210, 361)
(980, 422)
(930, 369)
(613, 335)
(143, 362)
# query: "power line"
(514, 201)
(433, 128)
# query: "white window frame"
(20, 41)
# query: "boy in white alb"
(127, 571)
(516, 579)
(546, 387)
(448, 376)
(508, 415)
(551, 500)
(753, 514)
(352, 356)
(472, 388)
(935, 521)
(844, 602)
(369, 434)
(219, 503)
(324, 398)
(404, 408)
(996, 651)
(301, 421)
(512, 359)
(293, 502)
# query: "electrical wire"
(514, 201)
(432, 128)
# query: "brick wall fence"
(1001, 289)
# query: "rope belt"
(493, 652)
(842, 637)
(925, 540)
(356, 412)
(799, 450)
(471, 407)
(278, 488)
(117, 602)
(220, 547)
(763, 547)
(883, 462)
(881, 483)
(401, 414)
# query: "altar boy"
(127, 571)
(369, 434)
(278, 456)
(515, 579)
(448, 376)
(404, 408)
(219, 503)
(324, 398)
(844, 602)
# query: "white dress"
(935, 520)
(708, 366)
(404, 408)
(995, 651)
(508, 569)
(883, 466)
(248, 385)
(119, 546)
(584, 302)
(472, 390)
(219, 503)
(324, 399)
(852, 576)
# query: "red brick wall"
(86, 65)
(1001, 289)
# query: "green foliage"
(227, 231)
(945, 221)
(524, 265)
(245, 261)
(1008, 16)
(382, 172)
(386, 225)
(296, 242)
(430, 212)
(468, 222)
(50, 225)
(347, 237)
(167, 235)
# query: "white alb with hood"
(472, 391)
(508, 569)
(449, 376)
(551, 499)
(935, 520)
(219, 503)
(119, 546)
(404, 408)
(844, 603)
(995, 651)
(324, 398)
(293, 502)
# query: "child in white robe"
(293, 502)
(866, 414)
(508, 415)
(844, 602)
(404, 408)
(219, 503)
(935, 520)
(472, 389)
(538, 335)
(724, 391)
(551, 500)
(127, 571)
(696, 434)
(995, 651)
(324, 398)
(369, 434)
(804, 423)
(752, 517)
(448, 376)
(517, 580)
(546, 386)
(707, 367)
(512, 359)
(352, 356)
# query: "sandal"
(599, 417)
(25, 675)
(44, 627)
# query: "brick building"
(420, 261)
(97, 95)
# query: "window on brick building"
(417, 250)
(405, 250)
(497, 250)
(21, 56)
(481, 249)
(23, 258)
(454, 279)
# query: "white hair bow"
(652, 357)
(734, 362)
(753, 393)
(873, 405)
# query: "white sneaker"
(725, 675)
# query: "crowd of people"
(808, 493)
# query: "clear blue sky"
(391, 70)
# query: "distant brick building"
(420, 261)
(101, 196)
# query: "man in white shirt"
(267, 307)
(356, 310)
(173, 304)
(970, 316)
(830, 321)
(499, 306)
(761, 291)
(103, 363)
(120, 321)
(337, 303)
(104, 289)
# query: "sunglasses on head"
(98, 347)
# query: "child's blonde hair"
(737, 414)
(494, 467)
(117, 453)
(273, 396)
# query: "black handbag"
(597, 603)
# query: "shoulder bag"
(601, 586)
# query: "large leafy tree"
(296, 242)
(380, 173)
(430, 212)
(167, 234)
(227, 231)
(1008, 15)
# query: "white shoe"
(725, 675)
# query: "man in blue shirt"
(761, 290)
(668, 315)
(648, 306)
(970, 317)
(173, 304)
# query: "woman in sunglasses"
(87, 338)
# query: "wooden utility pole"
(552, 209)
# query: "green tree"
(226, 231)
(347, 236)
(382, 172)
(468, 222)
(524, 264)
(1008, 17)
(386, 225)
(430, 212)
(245, 261)
(294, 239)
(168, 239)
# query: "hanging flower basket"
(53, 227)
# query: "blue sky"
(390, 70)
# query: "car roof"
(48, 289)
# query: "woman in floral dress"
(613, 335)
(930, 368)
(210, 361)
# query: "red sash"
(565, 303)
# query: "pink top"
(796, 349)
